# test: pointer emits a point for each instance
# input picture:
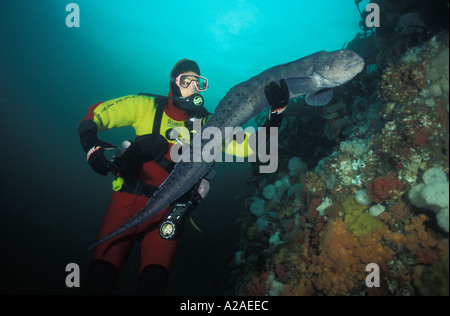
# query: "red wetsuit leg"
(154, 249)
(121, 208)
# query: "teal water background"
(52, 202)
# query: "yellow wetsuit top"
(139, 111)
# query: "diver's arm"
(240, 145)
(94, 147)
(278, 98)
(125, 111)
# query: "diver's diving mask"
(186, 80)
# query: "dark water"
(52, 202)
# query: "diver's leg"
(110, 256)
(153, 280)
(157, 256)
(101, 278)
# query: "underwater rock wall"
(318, 240)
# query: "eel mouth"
(357, 65)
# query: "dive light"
(173, 224)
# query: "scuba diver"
(142, 166)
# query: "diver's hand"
(278, 98)
(95, 156)
(97, 160)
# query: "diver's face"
(191, 87)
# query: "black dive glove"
(278, 98)
(94, 149)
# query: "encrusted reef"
(373, 189)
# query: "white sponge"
(433, 194)
(436, 195)
(442, 218)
